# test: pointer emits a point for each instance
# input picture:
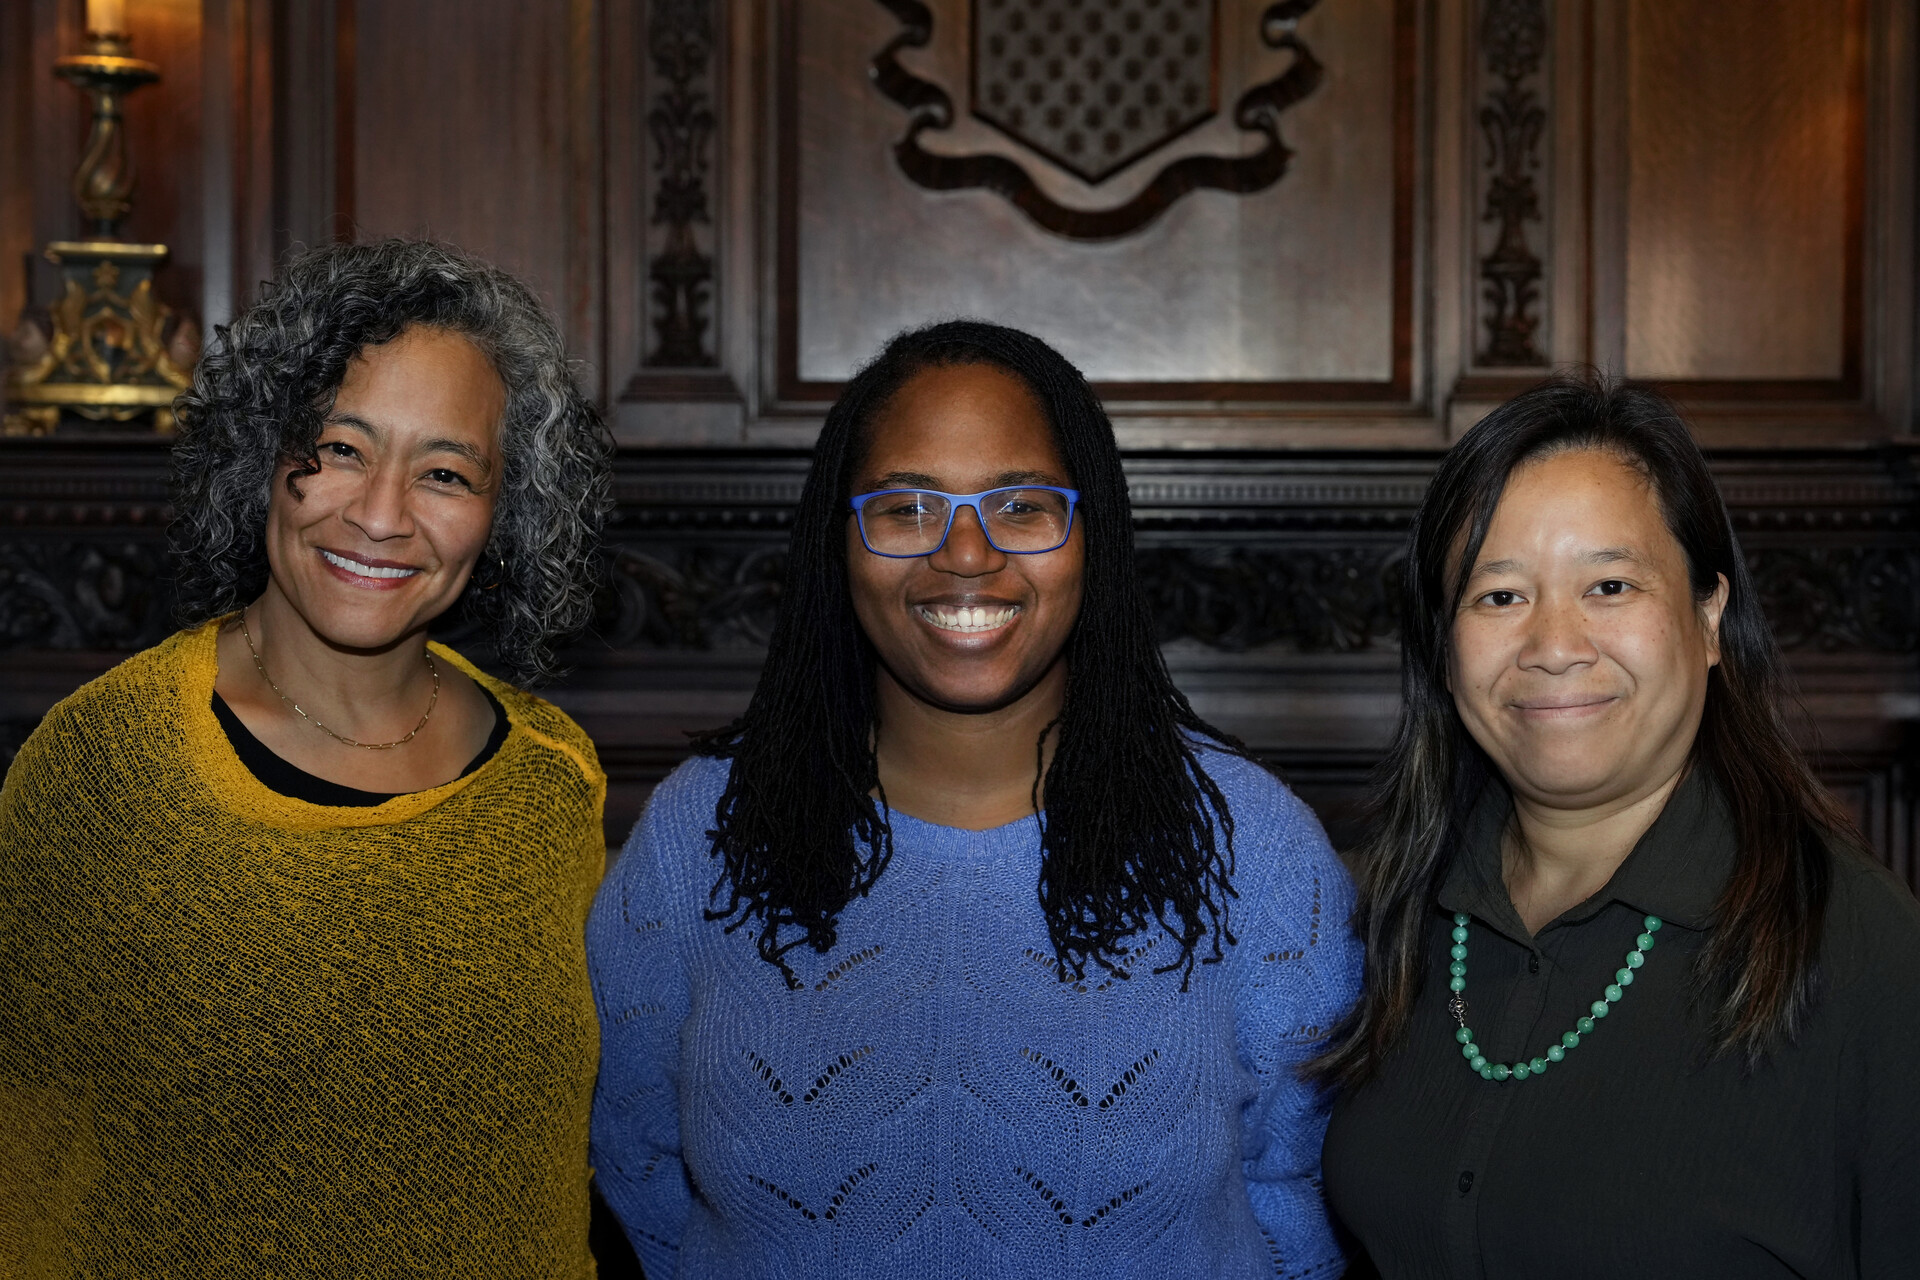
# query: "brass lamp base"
(114, 353)
(109, 351)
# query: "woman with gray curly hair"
(293, 902)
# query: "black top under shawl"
(277, 775)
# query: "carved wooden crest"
(1095, 87)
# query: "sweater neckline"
(235, 785)
(1021, 834)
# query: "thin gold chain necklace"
(261, 667)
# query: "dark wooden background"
(1713, 194)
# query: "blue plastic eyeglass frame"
(955, 501)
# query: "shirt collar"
(1675, 871)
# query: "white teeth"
(968, 619)
(366, 570)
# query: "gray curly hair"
(268, 381)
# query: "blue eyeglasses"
(1020, 520)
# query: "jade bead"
(1460, 918)
(1525, 1069)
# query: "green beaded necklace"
(1457, 1006)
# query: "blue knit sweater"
(932, 1100)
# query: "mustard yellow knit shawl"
(244, 1035)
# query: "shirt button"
(1466, 1182)
(1533, 964)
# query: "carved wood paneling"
(1091, 90)
(1746, 161)
(681, 124)
(1236, 553)
(1513, 126)
(1271, 579)
(860, 252)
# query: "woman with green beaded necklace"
(1592, 758)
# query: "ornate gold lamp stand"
(112, 352)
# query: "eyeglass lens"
(913, 522)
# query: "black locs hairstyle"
(267, 382)
(1756, 972)
(1128, 834)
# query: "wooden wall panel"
(200, 140)
(1708, 183)
(165, 132)
(1744, 204)
(1270, 578)
(470, 147)
(56, 127)
(16, 159)
(1297, 292)
(162, 123)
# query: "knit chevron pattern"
(933, 1101)
(244, 1035)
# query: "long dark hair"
(1128, 836)
(1757, 968)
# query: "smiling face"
(968, 628)
(1580, 656)
(383, 538)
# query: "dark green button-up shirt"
(1642, 1154)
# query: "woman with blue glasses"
(969, 949)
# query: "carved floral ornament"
(1094, 88)
(108, 350)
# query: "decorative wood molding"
(1237, 553)
(1513, 123)
(103, 592)
(929, 107)
(681, 123)
(692, 597)
(1272, 581)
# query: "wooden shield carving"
(1095, 88)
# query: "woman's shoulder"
(142, 686)
(544, 722)
(1872, 929)
(1277, 838)
(684, 801)
(670, 840)
(93, 740)
(1255, 795)
(1293, 894)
